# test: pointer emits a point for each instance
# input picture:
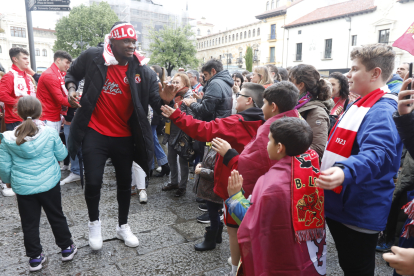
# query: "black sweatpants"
(356, 250)
(213, 213)
(96, 149)
(30, 210)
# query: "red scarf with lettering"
(343, 135)
(307, 200)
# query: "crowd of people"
(278, 153)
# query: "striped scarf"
(343, 135)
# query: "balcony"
(272, 37)
(271, 59)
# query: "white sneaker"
(159, 169)
(124, 233)
(229, 261)
(64, 168)
(7, 191)
(143, 196)
(95, 236)
(71, 178)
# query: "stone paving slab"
(166, 227)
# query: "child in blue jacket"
(361, 157)
(29, 158)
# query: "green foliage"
(249, 59)
(173, 48)
(92, 22)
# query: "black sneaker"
(203, 207)
(35, 264)
(204, 218)
(69, 253)
(200, 200)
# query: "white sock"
(234, 269)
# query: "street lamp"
(80, 43)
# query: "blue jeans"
(74, 168)
(159, 152)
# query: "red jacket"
(266, 235)
(254, 161)
(8, 97)
(50, 94)
(238, 130)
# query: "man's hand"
(73, 99)
(198, 169)
(168, 111)
(405, 106)
(220, 146)
(169, 92)
(198, 97)
(401, 259)
(236, 88)
(235, 183)
(189, 101)
(331, 178)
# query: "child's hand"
(220, 146)
(401, 259)
(198, 169)
(235, 183)
(331, 178)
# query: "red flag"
(406, 41)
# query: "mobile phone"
(410, 75)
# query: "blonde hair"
(265, 76)
(185, 79)
(28, 108)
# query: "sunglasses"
(240, 94)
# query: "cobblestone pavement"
(166, 227)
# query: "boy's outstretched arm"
(237, 204)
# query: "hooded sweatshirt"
(32, 167)
(238, 130)
(395, 83)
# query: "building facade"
(203, 28)
(13, 33)
(230, 46)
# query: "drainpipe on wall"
(283, 47)
(287, 49)
(348, 19)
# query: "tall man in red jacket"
(52, 92)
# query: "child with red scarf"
(282, 225)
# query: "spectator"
(196, 86)
(402, 70)
(274, 73)
(180, 81)
(314, 102)
(361, 157)
(238, 83)
(217, 100)
(340, 92)
(284, 74)
(261, 75)
(248, 77)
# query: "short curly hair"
(343, 82)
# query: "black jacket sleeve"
(405, 127)
(77, 70)
(209, 102)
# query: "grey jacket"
(217, 100)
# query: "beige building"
(203, 28)
(230, 46)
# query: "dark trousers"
(213, 212)
(96, 149)
(11, 126)
(30, 210)
(356, 250)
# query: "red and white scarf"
(119, 32)
(343, 135)
(195, 90)
(23, 85)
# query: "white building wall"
(389, 15)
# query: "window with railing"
(272, 54)
(354, 40)
(328, 48)
(18, 32)
(298, 51)
(384, 36)
(272, 31)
